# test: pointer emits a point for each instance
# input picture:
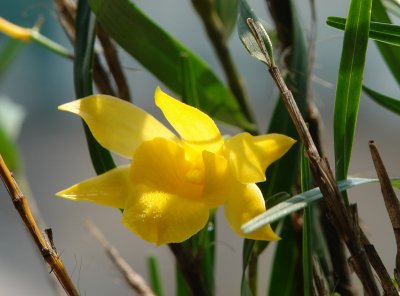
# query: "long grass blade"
(348, 90)
(300, 201)
(389, 103)
(85, 21)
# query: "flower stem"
(51, 45)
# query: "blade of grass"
(283, 278)
(307, 245)
(349, 83)
(390, 54)
(160, 54)
(382, 32)
(300, 201)
(181, 285)
(155, 280)
(385, 101)
(101, 158)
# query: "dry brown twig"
(391, 202)
(324, 178)
(134, 280)
(48, 253)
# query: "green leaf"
(160, 53)
(155, 280)
(382, 32)
(248, 246)
(12, 116)
(227, 12)
(307, 238)
(285, 274)
(300, 201)
(182, 288)
(348, 90)
(9, 151)
(85, 21)
(385, 101)
(390, 54)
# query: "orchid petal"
(161, 217)
(218, 180)
(246, 204)
(117, 124)
(161, 164)
(250, 155)
(109, 189)
(194, 126)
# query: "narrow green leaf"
(307, 239)
(348, 90)
(182, 288)
(8, 53)
(383, 32)
(227, 12)
(248, 246)
(101, 158)
(155, 280)
(285, 275)
(385, 101)
(277, 198)
(160, 53)
(300, 201)
(390, 54)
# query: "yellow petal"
(109, 189)
(194, 126)
(250, 156)
(218, 180)
(246, 203)
(117, 124)
(161, 164)
(14, 31)
(162, 218)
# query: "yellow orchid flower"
(15, 31)
(172, 182)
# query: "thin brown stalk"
(114, 64)
(389, 196)
(134, 280)
(48, 253)
(378, 266)
(326, 182)
(190, 267)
